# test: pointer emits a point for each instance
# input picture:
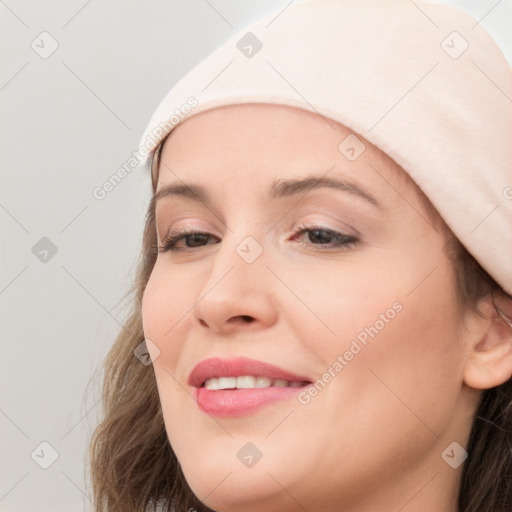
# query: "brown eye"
(319, 236)
(192, 239)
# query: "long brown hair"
(134, 469)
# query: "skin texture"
(371, 440)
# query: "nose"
(236, 295)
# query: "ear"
(489, 338)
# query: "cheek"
(382, 344)
(408, 370)
(339, 307)
(166, 301)
(166, 305)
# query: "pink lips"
(235, 402)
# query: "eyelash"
(344, 241)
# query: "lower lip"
(237, 402)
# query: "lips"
(237, 367)
(239, 401)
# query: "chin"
(235, 490)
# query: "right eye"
(193, 238)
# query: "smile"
(240, 386)
(250, 382)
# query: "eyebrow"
(279, 189)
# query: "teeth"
(248, 382)
(263, 382)
(226, 382)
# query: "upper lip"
(218, 367)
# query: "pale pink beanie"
(423, 82)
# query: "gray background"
(67, 123)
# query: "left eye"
(319, 236)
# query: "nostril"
(247, 318)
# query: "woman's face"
(346, 287)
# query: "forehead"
(259, 142)
(279, 127)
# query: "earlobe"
(489, 362)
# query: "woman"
(325, 282)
